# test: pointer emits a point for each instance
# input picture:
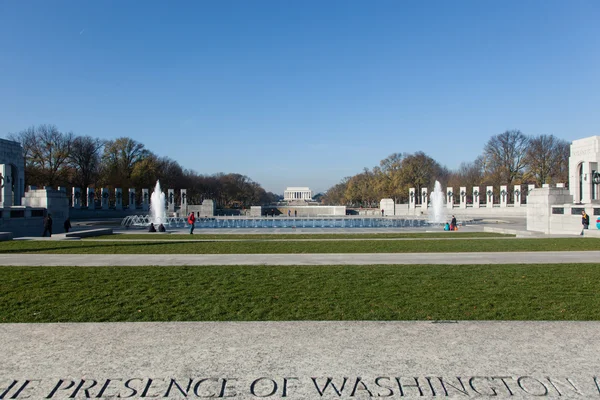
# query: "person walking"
(67, 225)
(48, 226)
(585, 221)
(191, 222)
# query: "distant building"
(297, 193)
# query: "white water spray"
(437, 211)
(158, 214)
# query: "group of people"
(452, 225)
(152, 228)
(48, 225)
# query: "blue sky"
(301, 93)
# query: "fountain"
(437, 214)
(158, 214)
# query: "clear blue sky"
(301, 93)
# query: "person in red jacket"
(191, 221)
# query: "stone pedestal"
(463, 197)
(539, 207)
(517, 195)
(207, 209)
(118, 199)
(91, 198)
(104, 199)
(145, 200)
(476, 197)
(503, 196)
(449, 198)
(54, 201)
(255, 211)
(412, 198)
(132, 205)
(489, 196)
(76, 198)
(171, 200)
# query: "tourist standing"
(67, 225)
(453, 223)
(585, 221)
(48, 225)
(191, 221)
(382, 212)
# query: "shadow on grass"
(94, 246)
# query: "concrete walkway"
(301, 360)
(560, 257)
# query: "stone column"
(91, 199)
(118, 199)
(517, 195)
(503, 195)
(463, 197)
(77, 198)
(412, 198)
(489, 196)
(132, 199)
(171, 200)
(476, 196)
(424, 198)
(104, 198)
(145, 200)
(6, 185)
(530, 187)
(449, 198)
(183, 199)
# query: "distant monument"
(297, 193)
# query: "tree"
(84, 159)
(46, 152)
(547, 159)
(505, 157)
(419, 171)
(119, 160)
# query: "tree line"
(54, 158)
(509, 158)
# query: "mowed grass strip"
(276, 293)
(292, 236)
(298, 247)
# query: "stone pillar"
(463, 197)
(183, 199)
(412, 198)
(145, 200)
(132, 199)
(91, 199)
(539, 208)
(118, 199)
(517, 195)
(171, 200)
(424, 198)
(489, 196)
(104, 198)
(476, 196)
(388, 206)
(530, 187)
(6, 185)
(449, 198)
(76, 198)
(503, 195)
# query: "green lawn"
(273, 293)
(293, 236)
(261, 246)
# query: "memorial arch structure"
(584, 172)
(12, 173)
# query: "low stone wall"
(403, 210)
(90, 233)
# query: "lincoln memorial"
(297, 193)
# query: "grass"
(295, 236)
(297, 247)
(275, 293)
